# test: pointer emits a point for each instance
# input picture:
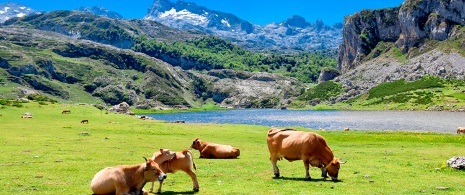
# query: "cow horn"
(340, 162)
(145, 158)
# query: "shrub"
(399, 86)
(322, 91)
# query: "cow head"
(152, 171)
(163, 155)
(333, 168)
(196, 144)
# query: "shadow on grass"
(171, 192)
(304, 179)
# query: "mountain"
(74, 70)
(414, 40)
(409, 26)
(290, 35)
(11, 10)
(100, 11)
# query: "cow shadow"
(304, 179)
(172, 192)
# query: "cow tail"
(189, 153)
(273, 131)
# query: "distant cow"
(346, 129)
(66, 112)
(309, 147)
(126, 179)
(27, 116)
(171, 162)
(460, 130)
(85, 121)
(211, 150)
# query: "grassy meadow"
(47, 154)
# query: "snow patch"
(184, 15)
(225, 22)
(20, 15)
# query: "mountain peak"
(100, 11)
(296, 21)
(10, 10)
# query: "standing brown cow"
(126, 179)
(309, 147)
(211, 150)
(460, 130)
(171, 162)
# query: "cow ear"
(161, 150)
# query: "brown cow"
(126, 179)
(85, 121)
(460, 130)
(307, 146)
(211, 150)
(170, 162)
(66, 112)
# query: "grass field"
(47, 154)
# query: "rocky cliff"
(408, 26)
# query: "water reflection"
(332, 120)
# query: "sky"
(259, 12)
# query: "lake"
(443, 122)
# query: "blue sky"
(256, 11)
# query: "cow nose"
(161, 177)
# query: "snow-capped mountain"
(100, 11)
(11, 10)
(294, 33)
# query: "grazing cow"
(211, 150)
(460, 130)
(346, 129)
(26, 116)
(126, 179)
(309, 147)
(85, 121)
(171, 162)
(66, 112)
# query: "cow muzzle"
(162, 177)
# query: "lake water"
(443, 122)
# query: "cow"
(85, 121)
(346, 129)
(460, 130)
(66, 112)
(26, 116)
(211, 150)
(170, 162)
(307, 146)
(126, 179)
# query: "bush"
(399, 86)
(322, 91)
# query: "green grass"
(48, 155)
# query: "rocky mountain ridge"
(100, 11)
(409, 26)
(292, 34)
(10, 10)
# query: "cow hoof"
(276, 175)
(196, 190)
(308, 178)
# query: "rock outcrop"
(408, 26)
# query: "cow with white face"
(307, 146)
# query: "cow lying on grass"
(126, 179)
(211, 150)
(171, 162)
(309, 147)
(460, 130)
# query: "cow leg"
(274, 161)
(151, 186)
(159, 187)
(324, 173)
(307, 166)
(194, 180)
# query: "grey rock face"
(408, 26)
